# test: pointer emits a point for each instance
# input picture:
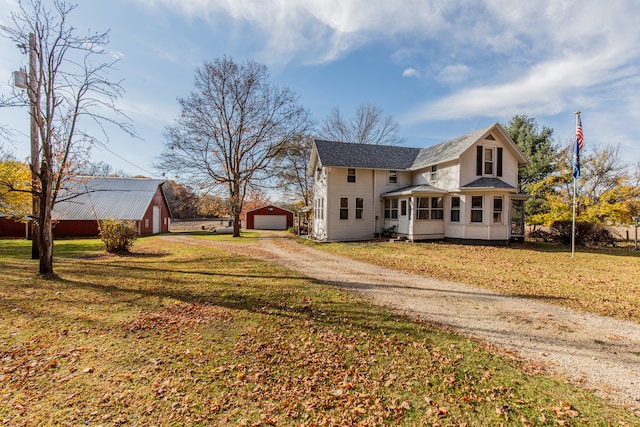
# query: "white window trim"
(429, 209)
(355, 205)
(481, 209)
(456, 209)
(340, 208)
(354, 175)
(494, 160)
(501, 211)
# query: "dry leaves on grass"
(180, 316)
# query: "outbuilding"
(85, 200)
(269, 218)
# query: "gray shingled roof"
(346, 154)
(448, 150)
(414, 189)
(91, 198)
(488, 183)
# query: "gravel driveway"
(600, 353)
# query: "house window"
(430, 208)
(359, 207)
(319, 209)
(497, 209)
(344, 208)
(146, 223)
(488, 161)
(393, 177)
(403, 208)
(434, 173)
(455, 209)
(422, 208)
(437, 208)
(476, 209)
(351, 175)
(391, 208)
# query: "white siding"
(351, 228)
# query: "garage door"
(270, 222)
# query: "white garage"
(270, 222)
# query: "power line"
(104, 146)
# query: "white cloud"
(411, 72)
(319, 31)
(455, 73)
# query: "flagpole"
(573, 221)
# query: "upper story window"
(393, 177)
(434, 173)
(351, 175)
(488, 161)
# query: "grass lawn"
(183, 335)
(601, 281)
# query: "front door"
(403, 218)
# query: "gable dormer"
(489, 158)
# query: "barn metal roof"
(93, 198)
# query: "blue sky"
(441, 68)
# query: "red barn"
(269, 218)
(86, 200)
(10, 228)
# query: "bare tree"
(230, 128)
(291, 169)
(65, 86)
(367, 126)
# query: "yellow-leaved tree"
(15, 189)
(607, 193)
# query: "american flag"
(579, 136)
(577, 146)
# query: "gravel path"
(597, 352)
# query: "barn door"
(156, 219)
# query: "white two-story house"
(463, 190)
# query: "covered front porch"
(415, 213)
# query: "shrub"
(586, 234)
(118, 235)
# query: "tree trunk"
(236, 224)
(45, 230)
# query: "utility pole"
(33, 90)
